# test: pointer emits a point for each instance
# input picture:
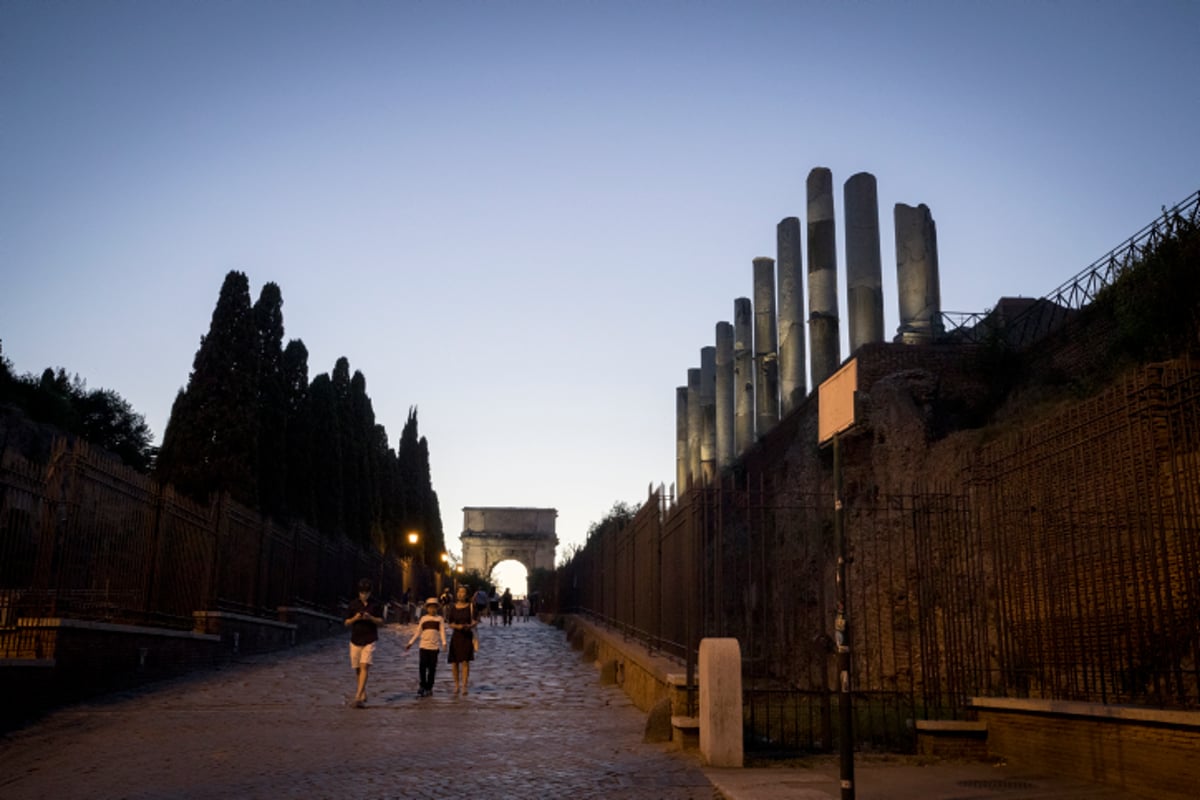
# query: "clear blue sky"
(525, 218)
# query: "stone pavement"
(536, 724)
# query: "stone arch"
(494, 534)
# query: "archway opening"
(512, 575)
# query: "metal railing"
(1041, 315)
(1062, 565)
(84, 537)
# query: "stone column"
(695, 426)
(743, 376)
(725, 452)
(708, 414)
(792, 379)
(864, 270)
(682, 462)
(766, 354)
(822, 277)
(917, 280)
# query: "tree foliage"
(99, 416)
(251, 423)
(211, 440)
(620, 515)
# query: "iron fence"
(86, 538)
(1063, 563)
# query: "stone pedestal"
(720, 668)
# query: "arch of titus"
(491, 535)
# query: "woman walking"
(460, 618)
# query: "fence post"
(842, 628)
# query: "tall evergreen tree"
(272, 401)
(383, 476)
(347, 448)
(326, 456)
(300, 489)
(420, 512)
(363, 428)
(211, 440)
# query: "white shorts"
(361, 655)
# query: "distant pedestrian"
(365, 617)
(461, 619)
(506, 606)
(480, 602)
(445, 598)
(431, 630)
(494, 607)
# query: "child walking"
(431, 630)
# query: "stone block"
(721, 702)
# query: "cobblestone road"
(536, 724)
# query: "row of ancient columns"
(754, 373)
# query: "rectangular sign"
(835, 401)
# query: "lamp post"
(409, 556)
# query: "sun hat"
(433, 601)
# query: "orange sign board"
(835, 401)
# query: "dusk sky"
(525, 218)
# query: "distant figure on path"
(461, 619)
(431, 630)
(366, 615)
(506, 605)
(481, 602)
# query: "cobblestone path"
(536, 724)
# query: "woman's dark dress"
(462, 645)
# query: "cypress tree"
(272, 401)
(420, 509)
(300, 490)
(365, 444)
(326, 456)
(211, 441)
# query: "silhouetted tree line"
(251, 423)
(63, 402)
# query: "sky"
(525, 218)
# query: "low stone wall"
(46, 662)
(1142, 750)
(240, 633)
(53, 660)
(651, 680)
(311, 625)
(952, 739)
